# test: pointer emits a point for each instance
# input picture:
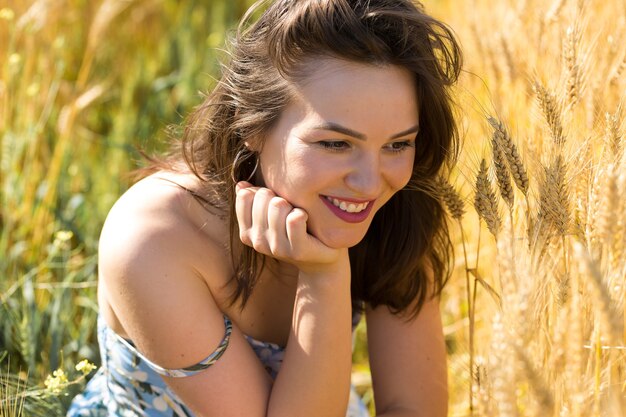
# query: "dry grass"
(536, 313)
(546, 83)
(81, 85)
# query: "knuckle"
(245, 193)
(265, 193)
(245, 238)
(279, 204)
(259, 243)
(294, 219)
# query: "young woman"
(232, 276)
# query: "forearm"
(314, 379)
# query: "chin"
(340, 241)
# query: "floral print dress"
(129, 385)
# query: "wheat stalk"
(601, 294)
(537, 380)
(617, 72)
(456, 208)
(450, 197)
(509, 149)
(554, 11)
(570, 54)
(502, 173)
(581, 191)
(574, 349)
(508, 58)
(504, 371)
(485, 201)
(551, 111)
(554, 204)
(608, 216)
(613, 136)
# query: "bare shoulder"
(159, 215)
(160, 255)
(167, 198)
(156, 254)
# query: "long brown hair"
(408, 236)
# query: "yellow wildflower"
(55, 383)
(85, 366)
(64, 235)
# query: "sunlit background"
(534, 313)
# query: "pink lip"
(349, 217)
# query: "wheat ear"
(502, 174)
(613, 136)
(450, 197)
(485, 201)
(554, 204)
(609, 209)
(551, 111)
(570, 54)
(509, 149)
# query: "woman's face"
(343, 146)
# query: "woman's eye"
(400, 146)
(334, 145)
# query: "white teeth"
(349, 207)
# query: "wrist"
(338, 270)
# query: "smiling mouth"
(348, 206)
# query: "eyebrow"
(335, 127)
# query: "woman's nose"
(365, 177)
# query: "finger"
(243, 209)
(306, 248)
(244, 197)
(277, 212)
(258, 229)
(295, 225)
(243, 184)
(262, 199)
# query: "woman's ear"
(253, 145)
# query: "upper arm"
(167, 309)
(408, 360)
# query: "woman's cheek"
(400, 173)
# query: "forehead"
(376, 100)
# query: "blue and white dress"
(129, 385)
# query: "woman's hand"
(273, 227)
(319, 343)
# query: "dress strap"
(189, 370)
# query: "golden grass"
(82, 84)
(536, 311)
(547, 80)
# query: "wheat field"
(535, 311)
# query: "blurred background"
(534, 312)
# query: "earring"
(243, 157)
